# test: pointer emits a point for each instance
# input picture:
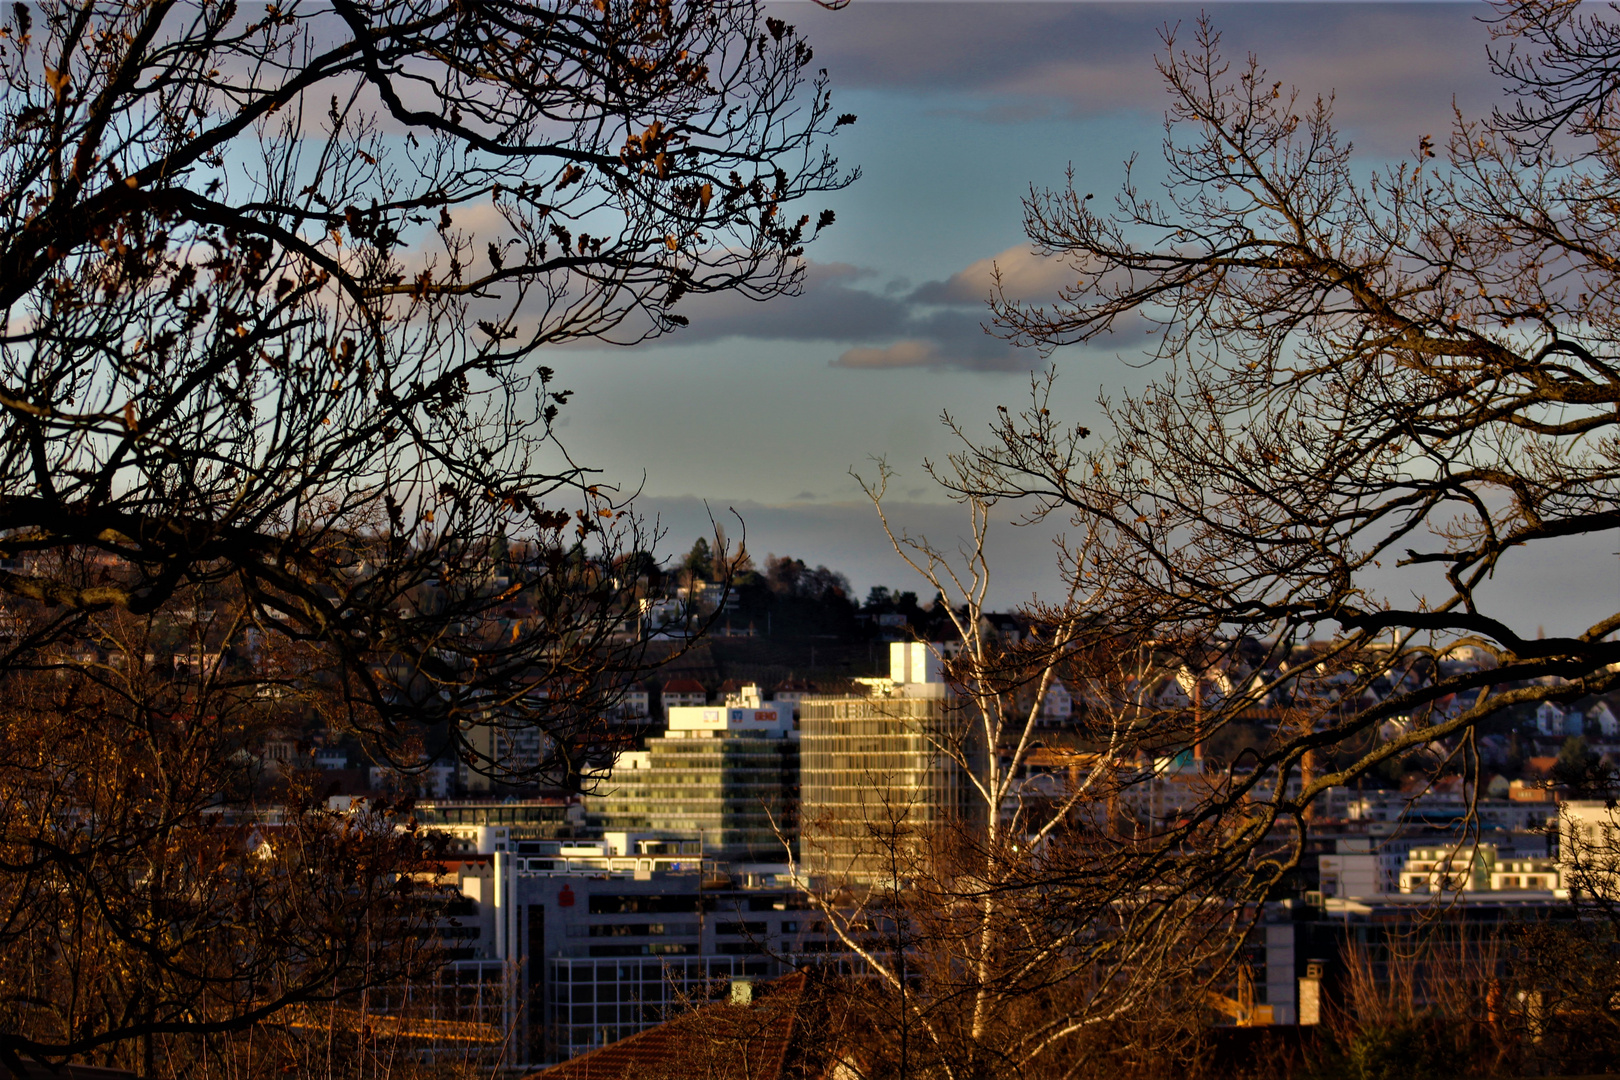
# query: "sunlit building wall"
(881, 776)
(726, 773)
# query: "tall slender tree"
(1012, 930)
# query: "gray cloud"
(1396, 68)
(943, 340)
(908, 353)
(831, 308)
(958, 340)
(938, 356)
(939, 325)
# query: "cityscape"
(837, 540)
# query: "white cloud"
(910, 353)
(1025, 275)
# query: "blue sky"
(962, 107)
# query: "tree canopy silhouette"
(276, 284)
(1370, 394)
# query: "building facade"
(882, 769)
(594, 949)
(726, 773)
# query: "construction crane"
(1242, 1009)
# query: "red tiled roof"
(684, 686)
(716, 1042)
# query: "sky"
(761, 410)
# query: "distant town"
(589, 915)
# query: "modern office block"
(882, 776)
(727, 773)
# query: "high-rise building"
(727, 773)
(884, 769)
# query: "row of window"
(659, 903)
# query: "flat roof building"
(581, 951)
(727, 773)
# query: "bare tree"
(277, 445)
(997, 939)
(1367, 395)
(275, 286)
(146, 905)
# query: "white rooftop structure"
(707, 721)
(916, 670)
